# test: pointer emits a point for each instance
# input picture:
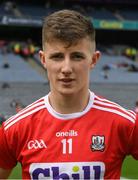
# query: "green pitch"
(129, 170)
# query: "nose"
(66, 66)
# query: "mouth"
(66, 80)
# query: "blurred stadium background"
(23, 79)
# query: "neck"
(69, 104)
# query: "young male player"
(71, 133)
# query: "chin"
(67, 92)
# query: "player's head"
(68, 51)
(67, 26)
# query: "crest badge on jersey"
(98, 143)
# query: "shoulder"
(25, 114)
(113, 109)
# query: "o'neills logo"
(70, 133)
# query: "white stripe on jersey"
(106, 105)
(132, 112)
(114, 106)
(102, 99)
(29, 108)
(115, 111)
(23, 116)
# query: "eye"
(77, 56)
(57, 56)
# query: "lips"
(66, 80)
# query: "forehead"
(57, 45)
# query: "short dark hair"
(67, 26)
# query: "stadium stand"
(19, 70)
(34, 11)
(118, 67)
(6, 9)
(101, 13)
(9, 8)
(129, 14)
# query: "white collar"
(72, 115)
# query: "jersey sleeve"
(7, 157)
(134, 140)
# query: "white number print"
(67, 146)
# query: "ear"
(42, 58)
(96, 56)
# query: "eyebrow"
(78, 53)
(56, 54)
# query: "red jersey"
(91, 144)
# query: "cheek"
(85, 68)
(83, 73)
(51, 71)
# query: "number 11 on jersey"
(67, 146)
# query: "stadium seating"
(34, 11)
(37, 12)
(116, 74)
(4, 12)
(18, 71)
(129, 14)
(101, 14)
